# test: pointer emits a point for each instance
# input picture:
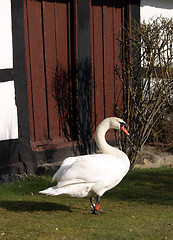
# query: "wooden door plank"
(63, 61)
(37, 69)
(50, 66)
(108, 61)
(62, 34)
(98, 91)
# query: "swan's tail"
(53, 191)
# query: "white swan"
(90, 175)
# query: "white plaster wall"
(8, 109)
(6, 52)
(8, 112)
(155, 8)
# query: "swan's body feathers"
(94, 173)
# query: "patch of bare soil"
(153, 157)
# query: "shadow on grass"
(31, 206)
(151, 186)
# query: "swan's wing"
(71, 165)
(64, 167)
(70, 182)
(73, 173)
(92, 168)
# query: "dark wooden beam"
(20, 81)
(6, 75)
(84, 73)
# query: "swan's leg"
(95, 211)
(92, 202)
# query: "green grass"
(140, 207)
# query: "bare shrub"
(147, 76)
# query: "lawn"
(140, 207)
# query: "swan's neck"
(103, 146)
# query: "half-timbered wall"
(8, 110)
(64, 54)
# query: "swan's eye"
(123, 123)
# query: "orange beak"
(124, 129)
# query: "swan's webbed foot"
(95, 211)
(95, 206)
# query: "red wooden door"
(51, 63)
(47, 26)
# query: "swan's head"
(118, 123)
(103, 127)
